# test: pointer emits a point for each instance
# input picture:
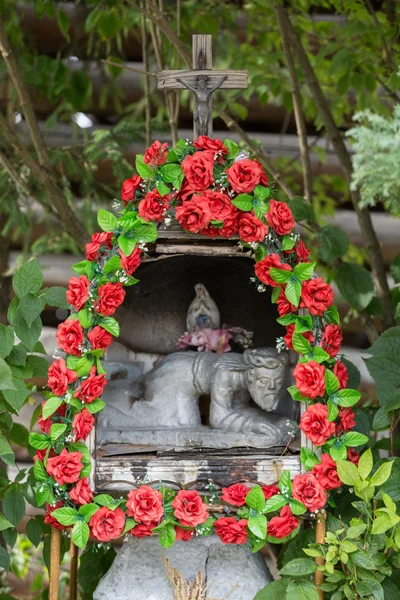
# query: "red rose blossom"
(49, 520)
(283, 305)
(251, 229)
(186, 192)
(310, 379)
(231, 531)
(315, 425)
(353, 456)
(307, 490)
(215, 146)
(190, 510)
(332, 340)
(220, 205)
(66, 467)
(59, 377)
(99, 338)
(82, 424)
(78, 291)
(130, 263)
(263, 266)
(269, 491)
(244, 175)
(194, 215)
(70, 336)
(106, 524)
(45, 424)
(341, 373)
(129, 188)
(111, 295)
(235, 494)
(280, 217)
(231, 225)
(316, 295)
(156, 154)
(198, 169)
(81, 493)
(289, 335)
(143, 530)
(264, 176)
(302, 251)
(99, 241)
(184, 535)
(145, 504)
(91, 388)
(347, 420)
(153, 207)
(326, 473)
(282, 526)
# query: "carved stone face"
(266, 378)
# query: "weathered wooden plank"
(199, 249)
(202, 51)
(237, 80)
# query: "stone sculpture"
(203, 311)
(203, 93)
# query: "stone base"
(138, 572)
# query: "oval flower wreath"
(210, 188)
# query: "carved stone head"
(265, 373)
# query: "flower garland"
(210, 188)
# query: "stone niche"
(152, 319)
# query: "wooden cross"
(202, 81)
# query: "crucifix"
(202, 81)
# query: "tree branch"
(371, 241)
(14, 175)
(147, 109)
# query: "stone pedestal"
(138, 572)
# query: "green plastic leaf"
(106, 220)
(144, 170)
(280, 275)
(112, 265)
(332, 382)
(39, 441)
(66, 516)
(88, 510)
(308, 458)
(353, 438)
(255, 498)
(95, 406)
(347, 397)
(258, 525)
(56, 431)
(331, 315)
(80, 534)
(297, 507)
(293, 291)
(300, 344)
(333, 410)
(39, 471)
(338, 451)
(167, 536)
(274, 503)
(28, 279)
(303, 271)
(355, 284)
(86, 319)
(169, 173)
(52, 404)
(382, 474)
(288, 242)
(365, 463)
(285, 483)
(347, 471)
(243, 202)
(110, 325)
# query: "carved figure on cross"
(203, 95)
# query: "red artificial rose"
(332, 340)
(310, 379)
(282, 526)
(269, 491)
(215, 146)
(244, 175)
(145, 504)
(341, 373)
(129, 188)
(143, 530)
(263, 266)
(302, 251)
(198, 169)
(251, 229)
(220, 205)
(66, 467)
(315, 425)
(184, 535)
(78, 291)
(91, 388)
(353, 456)
(284, 306)
(45, 424)
(70, 336)
(59, 377)
(280, 217)
(99, 338)
(82, 424)
(289, 335)
(111, 295)
(153, 207)
(231, 225)
(264, 176)
(307, 490)
(130, 263)
(194, 215)
(316, 295)
(231, 531)
(99, 241)
(186, 192)
(107, 524)
(81, 493)
(326, 473)
(190, 510)
(210, 231)
(347, 420)
(41, 455)
(156, 154)
(235, 494)
(49, 520)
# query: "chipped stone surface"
(138, 572)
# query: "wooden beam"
(168, 79)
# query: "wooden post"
(202, 59)
(73, 572)
(320, 533)
(55, 559)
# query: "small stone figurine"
(203, 311)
